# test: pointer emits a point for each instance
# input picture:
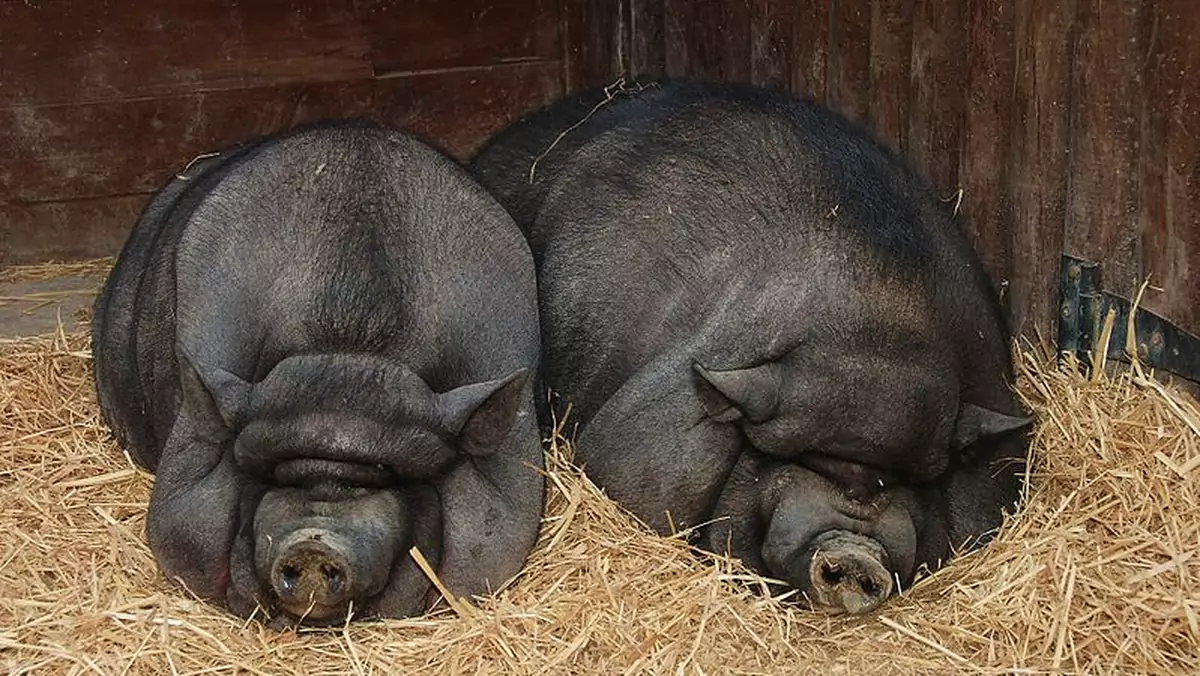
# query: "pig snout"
(849, 573)
(844, 555)
(321, 558)
(312, 573)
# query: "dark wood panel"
(103, 149)
(810, 48)
(938, 96)
(647, 37)
(1041, 123)
(408, 36)
(849, 75)
(891, 56)
(1102, 213)
(987, 142)
(98, 150)
(458, 111)
(1154, 106)
(66, 231)
(595, 35)
(708, 39)
(59, 52)
(772, 31)
(1172, 236)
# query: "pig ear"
(751, 393)
(976, 422)
(212, 397)
(481, 414)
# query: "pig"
(324, 345)
(770, 330)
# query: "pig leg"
(653, 449)
(976, 492)
(193, 515)
(491, 508)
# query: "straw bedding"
(1100, 573)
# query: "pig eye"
(307, 472)
(860, 480)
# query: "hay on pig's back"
(1099, 573)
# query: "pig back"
(362, 240)
(738, 223)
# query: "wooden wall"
(1069, 125)
(100, 100)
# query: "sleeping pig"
(323, 344)
(770, 330)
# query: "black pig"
(769, 328)
(323, 344)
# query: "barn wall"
(101, 100)
(1069, 126)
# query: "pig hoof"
(311, 579)
(849, 581)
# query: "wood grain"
(708, 39)
(986, 159)
(408, 36)
(848, 84)
(937, 101)
(63, 52)
(1037, 182)
(772, 31)
(891, 56)
(810, 48)
(1106, 91)
(1171, 239)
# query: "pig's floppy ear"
(212, 397)
(975, 422)
(482, 414)
(750, 393)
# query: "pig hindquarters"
(769, 328)
(323, 343)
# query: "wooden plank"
(849, 75)
(708, 39)
(62, 52)
(772, 27)
(891, 56)
(572, 49)
(98, 150)
(595, 34)
(1171, 243)
(1102, 213)
(986, 157)
(1154, 106)
(810, 49)
(66, 231)
(647, 38)
(408, 36)
(457, 111)
(938, 94)
(1037, 181)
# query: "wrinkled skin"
(323, 344)
(769, 329)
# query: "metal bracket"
(1160, 343)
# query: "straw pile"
(1099, 574)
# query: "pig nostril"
(334, 577)
(869, 586)
(289, 577)
(832, 573)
